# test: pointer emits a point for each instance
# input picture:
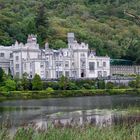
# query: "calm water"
(97, 110)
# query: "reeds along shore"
(75, 133)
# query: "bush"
(101, 84)
(10, 85)
(49, 90)
(73, 86)
(110, 85)
(132, 84)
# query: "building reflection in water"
(77, 118)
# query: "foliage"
(101, 23)
(1, 76)
(63, 82)
(19, 85)
(135, 83)
(10, 85)
(100, 84)
(138, 81)
(110, 85)
(59, 44)
(25, 81)
(49, 90)
(37, 83)
(132, 84)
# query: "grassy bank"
(64, 93)
(75, 133)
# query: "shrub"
(73, 86)
(101, 84)
(132, 84)
(110, 85)
(10, 85)
(49, 90)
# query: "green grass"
(76, 133)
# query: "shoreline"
(44, 94)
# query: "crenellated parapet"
(32, 38)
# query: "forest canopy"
(104, 24)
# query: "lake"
(96, 110)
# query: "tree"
(138, 81)
(63, 82)
(25, 82)
(59, 44)
(1, 76)
(42, 24)
(19, 85)
(10, 85)
(37, 83)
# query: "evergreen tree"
(42, 23)
(37, 83)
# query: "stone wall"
(124, 70)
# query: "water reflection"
(97, 110)
(96, 117)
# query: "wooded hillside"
(110, 26)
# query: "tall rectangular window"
(25, 66)
(17, 67)
(66, 63)
(98, 64)
(17, 58)
(47, 63)
(99, 73)
(67, 74)
(91, 66)
(105, 74)
(17, 74)
(11, 55)
(58, 64)
(42, 65)
(59, 74)
(104, 64)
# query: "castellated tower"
(71, 38)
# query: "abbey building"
(75, 61)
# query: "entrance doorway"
(83, 73)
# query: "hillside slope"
(101, 23)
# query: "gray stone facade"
(75, 61)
